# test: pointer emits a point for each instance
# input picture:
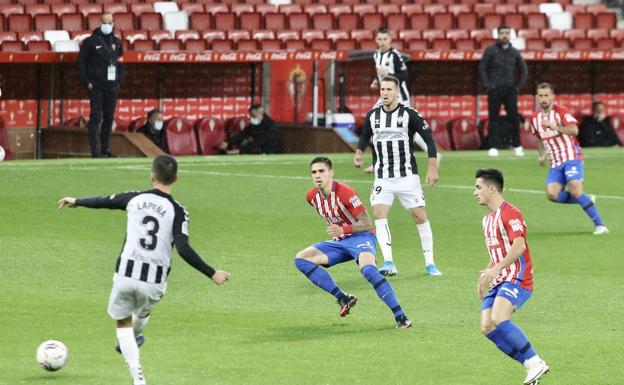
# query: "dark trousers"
(506, 96)
(102, 103)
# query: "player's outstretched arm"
(192, 258)
(66, 202)
(117, 201)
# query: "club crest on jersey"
(516, 224)
(400, 120)
(355, 201)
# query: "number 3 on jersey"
(151, 225)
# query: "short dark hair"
(382, 30)
(491, 176)
(255, 106)
(502, 26)
(390, 78)
(165, 169)
(546, 85)
(153, 112)
(322, 159)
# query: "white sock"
(139, 323)
(426, 241)
(130, 352)
(530, 361)
(384, 238)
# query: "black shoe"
(109, 154)
(402, 322)
(139, 339)
(346, 304)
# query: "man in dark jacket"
(261, 136)
(497, 71)
(102, 74)
(154, 129)
(596, 130)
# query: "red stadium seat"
(13, 46)
(225, 21)
(139, 8)
(492, 20)
(288, 35)
(419, 21)
(247, 45)
(480, 34)
(443, 21)
(505, 8)
(238, 34)
(410, 9)
(596, 9)
(367, 44)
(410, 34)
(529, 33)
(215, 8)
(362, 34)
(7, 36)
(47, 22)
(88, 8)
(72, 22)
(298, 21)
(440, 134)
(559, 43)
(582, 43)
(19, 23)
(191, 8)
(200, 21)
(39, 46)
(573, 34)
(575, 8)
(115, 8)
(195, 45)
(441, 44)
(120, 125)
(334, 35)
(323, 21)
(321, 45)
(431, 34)
(314, 8)
(345, 45)
(373, 21)
(467, 44)
(482, 9)
(484, 43)
(287, 9)
(184, 35)
(617, 34)
(514, 20)
(93, 21)
(10, 9)
(270, 45)
(235, 125)
(181, 138)
(339, 9)
(432, 9)
(157, 36)
(240, 8)
(210, 134)
(222, 45)
(170, 45)
(250, 20)
(397, 21)
(606, 20)
(263, 34)
(535, 44)
(584, 21)
(144, 45)
(275, 21)
(467, 21)
(464, 134)
(597, 33)
(29, 36)
(265, 8)
(133, 35)
(550, 34)
(361, 9)
(455, 34)
(528, 8)
(387, 9)
(124, 21)
(536, 21)
(151, 21)
(37, 9)
(311, 34)
(418, 45)
(605, 43)
(348, 21)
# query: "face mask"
(255, 121)
(106, 28)
(158, 125)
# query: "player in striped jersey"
(508, 277)
(392, 128)
(156, 222)
(352, 239)
(556, 130)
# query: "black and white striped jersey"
(155, 223)
(392, 61)
(392, 135)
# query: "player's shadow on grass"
(317, 332)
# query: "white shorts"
(131, 296)
(407, 189)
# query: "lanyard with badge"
(112, 68)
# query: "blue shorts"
(514, 293)
(349, 248)
(562, 174)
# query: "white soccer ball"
(52, 355)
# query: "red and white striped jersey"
(560, 147)
(341, 207)
(500, 228)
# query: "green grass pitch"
(269, 325)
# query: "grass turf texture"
(269, 325)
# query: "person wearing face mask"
(102, 74)
(261, 136)
(154, 130)
(497, 70)
(596, 130)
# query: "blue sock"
(320, 277)
(565, 197)
(590, 209)
(500, 342)
(517, 341)
(383, 289)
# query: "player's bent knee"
(497, 319)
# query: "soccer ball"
(52, 355)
